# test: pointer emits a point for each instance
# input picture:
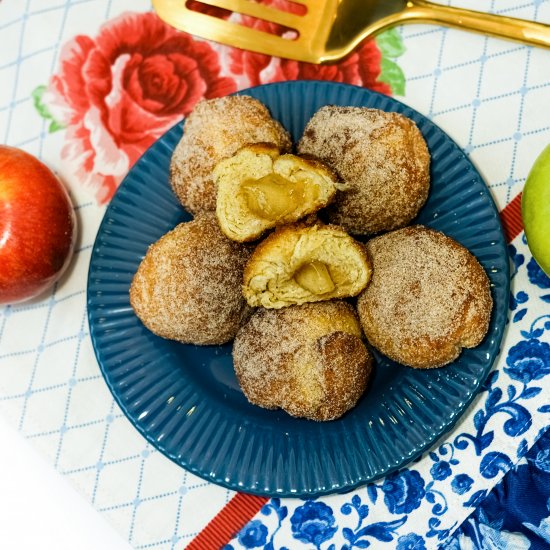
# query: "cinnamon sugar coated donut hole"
(309, 360)
(215, 130)
(188, 286)
(428, 298)
(383, 159)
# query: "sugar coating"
(308, 360)
(383, 159)
(428, 297)
(215, 130)
(188, 286)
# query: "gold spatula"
(330, 29)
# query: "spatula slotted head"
(330, 29)
(306, 44)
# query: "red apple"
(37, 226)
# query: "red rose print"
(251, 64)
(361, 67)
(119, 92)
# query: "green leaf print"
(393, 75)
(390, 43)
(391, 47)
(43, 110)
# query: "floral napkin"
(516, 513)
(88, 85)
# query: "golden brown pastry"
(300, 263)
(428, 298)
(257, 189)
(308, 360)
(188, 286)
(383, 159)
(213, 131)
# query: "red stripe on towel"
(228, 522)
(511, 219)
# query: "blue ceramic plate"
(185, 400)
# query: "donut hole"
(215, 130)
(258, 189)
(303, 264)
(310, 360)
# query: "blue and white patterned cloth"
(516, 514)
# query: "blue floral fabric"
(313, 522)
(516, 513)
(514, 516)
(253, 535)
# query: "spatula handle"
(528, 32)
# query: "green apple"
(535, 210)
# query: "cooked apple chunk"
(258, 189)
